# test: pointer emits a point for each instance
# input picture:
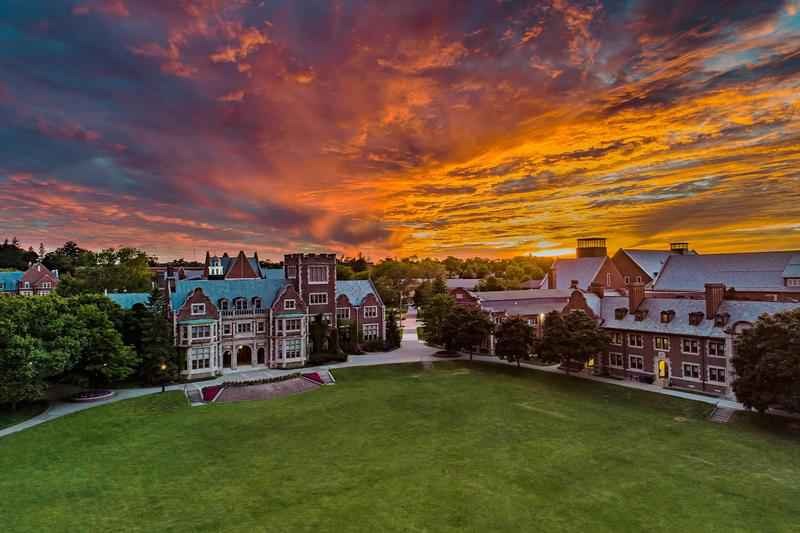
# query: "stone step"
(722, 415)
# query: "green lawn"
(457, 448)
(23, 413)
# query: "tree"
(439, 286)
(422, 294)
(514, 340)
(490, 283)
(319, 331)
(122, 270)
(464, 328)
(24, 367)
(344, 272)
(156, 347)
(394, 335)
(433, 315)
(767, 363)
(572, 338)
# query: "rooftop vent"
(591, 247)
(681, 248)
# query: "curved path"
(411, 351)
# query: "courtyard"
(446, 446)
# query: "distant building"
(38, 280)
(644, 266)
(591, 265)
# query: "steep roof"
(127, 300)
(35, 273)
(266, 289)
(650, 261)
(742, 271)
(582, 269)
(356, 290)
(739, 310)
(273, 273)
(9, 280)
(792, 269)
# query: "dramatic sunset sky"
(464, 127)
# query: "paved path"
(411, 351)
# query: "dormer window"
(240, 303)
(667, 316)
(695, 319)
(257, 303)
(721, 319)
(793, 282)
(198, 309)
(289, 305)
(223, 304)
(620, 312)
(641, 314)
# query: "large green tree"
(159, 358)
(122, 270)
(514, 340)
(394, 334)
(24, 367)
(433, 315)
(464, 328)
(767, 363)
(571, 339)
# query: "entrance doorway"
(244, 356)
(226, 360)
(260, 356)
(662, 371)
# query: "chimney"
(680, 248)
(573, 284)
(715, 293)
(635, 296)
(591, 247)
(597, 288)
(551, 278)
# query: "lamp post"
(163, 380)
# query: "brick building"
(237, 314)
(591, 265)
(38, 280)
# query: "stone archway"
(244, 356)
(260, 356)
(226, 360)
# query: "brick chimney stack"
(573, 284)
(597, 288)
(635, 296)
(715, 293)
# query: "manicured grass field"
(459, 447)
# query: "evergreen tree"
(394, 335)
(157, 343)
(433, 316)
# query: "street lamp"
(163, 381)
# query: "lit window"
(661, 343)
(198, 309)
(371, 311)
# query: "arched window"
(257, 303)
(240, 303)
(222, 304)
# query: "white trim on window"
(318, 298)
(665, 346)
(637, 336)
(341, 314)
(639, 365)
(198, 309)
(371, 311)
(716, 343)
(617, 338)
(691, 343)
(318, 269)
(289, 305)
(694, 373)
(793, 282)
(619, 357)
(718, 371)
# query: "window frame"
(684, 340)
(691, 375)
(631, 366)
(668, 344)
(311, 296)
(201, 309)
(310, 277)
(287, 307)
(717, 370)
(612, 355)
(716, 343)
(640, 336)
(369, 314)
(338, 313)
(614, 335)
(369, 336)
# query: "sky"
(428, 128)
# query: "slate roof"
(525, 307)
(650, 261)
(273, 273)
(583, 269)
(525, 294)
(356, 290)
(462, 283)
(739, 311)
(792, 269)
(266, 289)
(228, 261)
(759, 271)
(9, 280)
(127, 300)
